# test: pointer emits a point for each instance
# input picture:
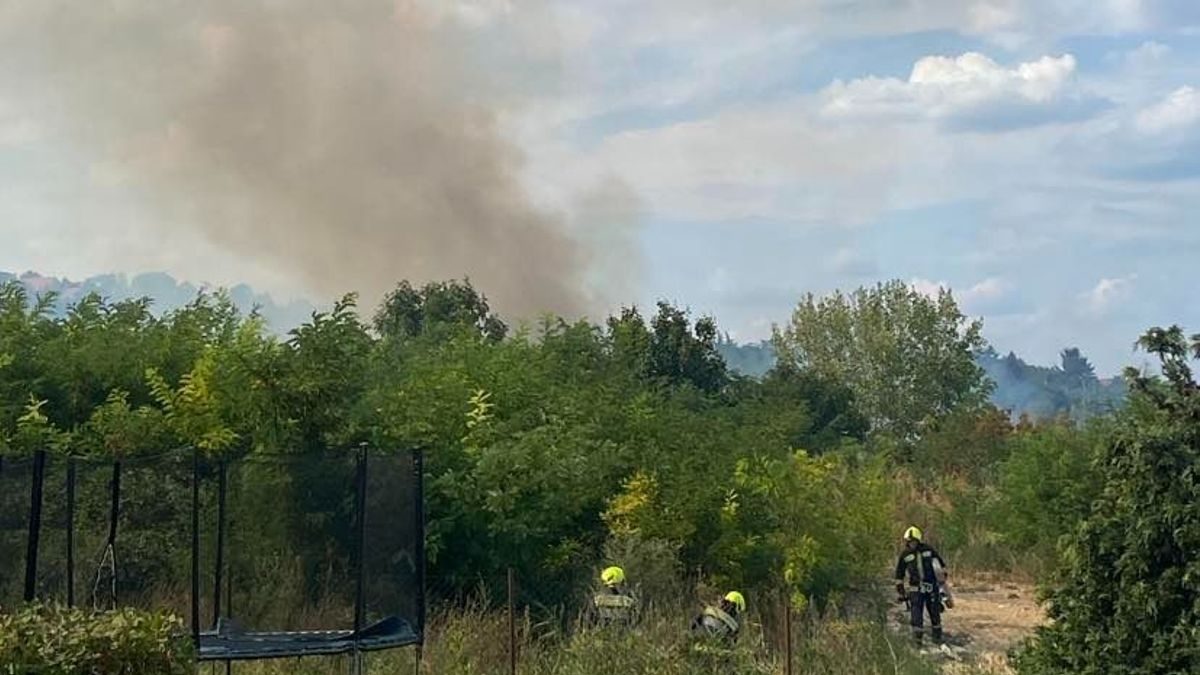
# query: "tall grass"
(473, 640)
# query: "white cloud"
(929, 289)
(745, 163)
(989, 289)
(1147, 54)
(941, 87)
(984, 297)
(1179, 110)
(1107, 293)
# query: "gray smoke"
(347, 144)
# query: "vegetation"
(1128, 595)
(554, 447)
(908, 358)
(55, 640)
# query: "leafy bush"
(55, 640)
(1045, 488)
(1127, 599)
(819, 522)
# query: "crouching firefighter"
(614, 605)
(923, 570)
(722, 622)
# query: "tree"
(678, 353)
(909, 358)
(438, 310)
(1077, 371)
(1127, 599)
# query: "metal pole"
(787, 635)
(512, 622)
(35, 524)
(220, 567)
(70, 531)
(419, 477)
(360, 508)
(196, 548)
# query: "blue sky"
(1039, 157)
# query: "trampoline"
(265, 556)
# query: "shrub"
(1127, 598)
(55, 640)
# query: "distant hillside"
(753, 359)
(1041, 392)
(1071, 388)
(165, 292)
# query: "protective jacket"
(613, 606)
(916, 567)
(717, 623)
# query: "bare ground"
(990, 616)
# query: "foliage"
(437, 311)
(1046, 486)
(908, 358)
(56, 640)
(813, 525)
(563, 445)
(474, 641)
(1128, 596)
(966, 443)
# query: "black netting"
(52, 577)
(290, 542)
(281, 542)
(15, 479)
(391, 554)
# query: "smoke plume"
(347, 144)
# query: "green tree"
(437, 310)
(1128, 597)
(908, 358)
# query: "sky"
(1041, 158)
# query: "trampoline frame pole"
(220, 568)
(71, 531)
(196, 548)
(114, 507)
(360, 509)
(33, 541)
(419, 478)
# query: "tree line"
(554, 445)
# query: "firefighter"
(614, 604)
(917, 582)
(723, 621)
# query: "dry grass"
(473, 641)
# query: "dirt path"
(990, 616)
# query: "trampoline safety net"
(263, 556)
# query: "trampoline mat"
(230, 643)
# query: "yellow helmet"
(912, 533)
(612, 576)
(737, 600)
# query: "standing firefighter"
(614, 605)
(923, 569)
(722, 622)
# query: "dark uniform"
(914, 571)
